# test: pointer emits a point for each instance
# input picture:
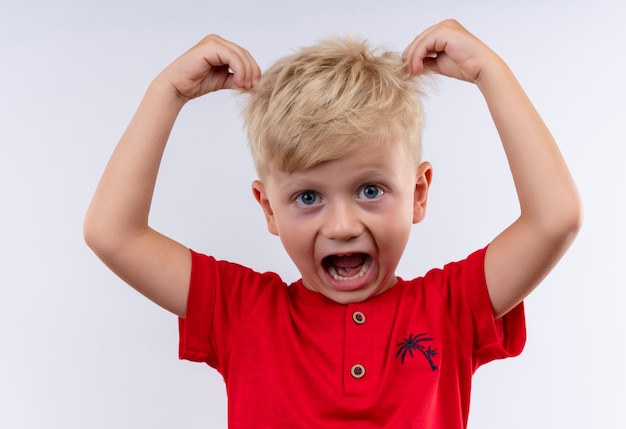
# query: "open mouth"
(347, 267)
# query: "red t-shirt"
(291, 358)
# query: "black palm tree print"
(414, 342)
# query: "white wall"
(79, 349)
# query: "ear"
(420, 196)
(260, 194)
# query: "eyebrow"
(369, 175)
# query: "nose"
(342, 222)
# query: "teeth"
(335, 275)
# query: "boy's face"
(345, 223)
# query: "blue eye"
(370, 192)
(307, 198)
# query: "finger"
(420, 49)
(252, 72)
(432, 63)
(245, 71)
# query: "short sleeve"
(222, 296)
(195, 329)
(493, 338)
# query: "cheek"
(286, 223)
(403, 209)
(294, 236)
(395, 231)
(398, 232)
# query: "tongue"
(347, 266)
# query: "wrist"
(161, 89)
(495, 76)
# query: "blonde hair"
(325, 101)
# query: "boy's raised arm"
(551, 212)
(116, 225)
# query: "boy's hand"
(213, 64)
(450, 50)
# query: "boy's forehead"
(367, 157)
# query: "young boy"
(335, 135)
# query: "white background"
(79, 349)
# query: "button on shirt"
(358, 317)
